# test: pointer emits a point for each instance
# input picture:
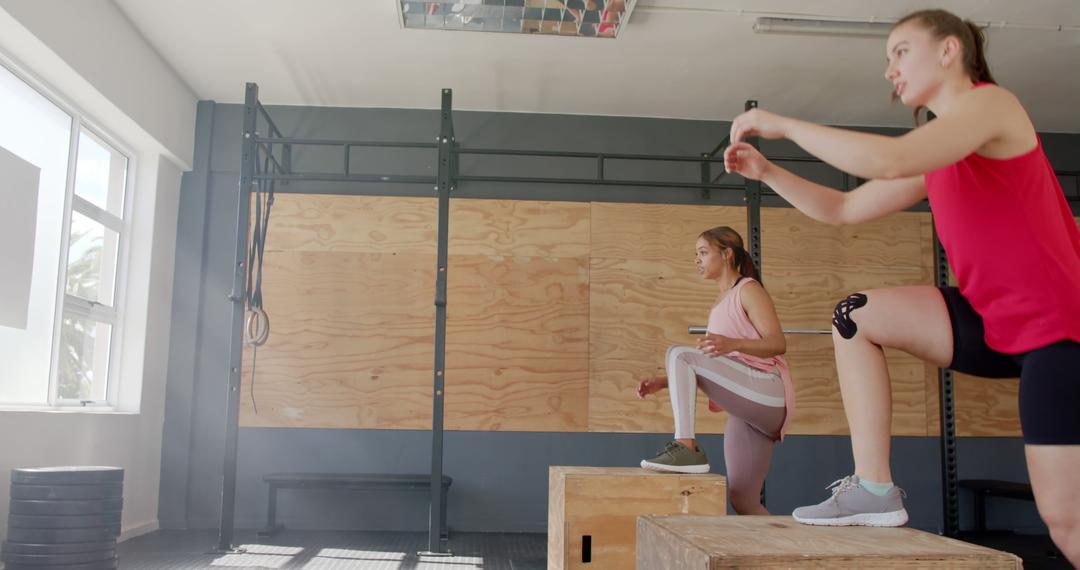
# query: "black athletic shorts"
(1049, 376)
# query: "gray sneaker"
(677, 458)
(851, 505)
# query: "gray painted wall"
(500, 479)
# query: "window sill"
(96, 410)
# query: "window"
(62, 340)
(93, 255)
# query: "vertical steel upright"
(950, 491)
(753, 206)
(236, 329)
(444, 184)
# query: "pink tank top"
(728, 318)
(1014, 246)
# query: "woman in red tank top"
(1010, 237)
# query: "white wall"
(93, 39)
(88, 54)
(127, 439)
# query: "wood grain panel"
(373, 224)
(986, 406)
(350, 342)
(517, 344)
(809, 266)
(657, 231)
(519, 228)
(556, 311)
(790, 238)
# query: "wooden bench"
(983, 488)
(350, 481)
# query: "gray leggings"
(754, 401)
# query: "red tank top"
(1014, 246)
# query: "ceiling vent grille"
(584, 18)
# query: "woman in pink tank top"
(739, 365)
(1010, 237)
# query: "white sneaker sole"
(649, 465)
(894, 518)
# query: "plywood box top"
(756, 541)
(569, 471)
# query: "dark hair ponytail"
(745, 264)
(725, 237)
(975, 59)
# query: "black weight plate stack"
(65, 518)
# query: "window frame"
(70, 305)
(78, 307)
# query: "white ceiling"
(693, 59)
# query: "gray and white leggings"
(753, 399)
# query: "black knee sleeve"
(842, 314)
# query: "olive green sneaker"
(677, 458)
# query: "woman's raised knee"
(843, 321)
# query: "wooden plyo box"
(705, 543)
(593, 511)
